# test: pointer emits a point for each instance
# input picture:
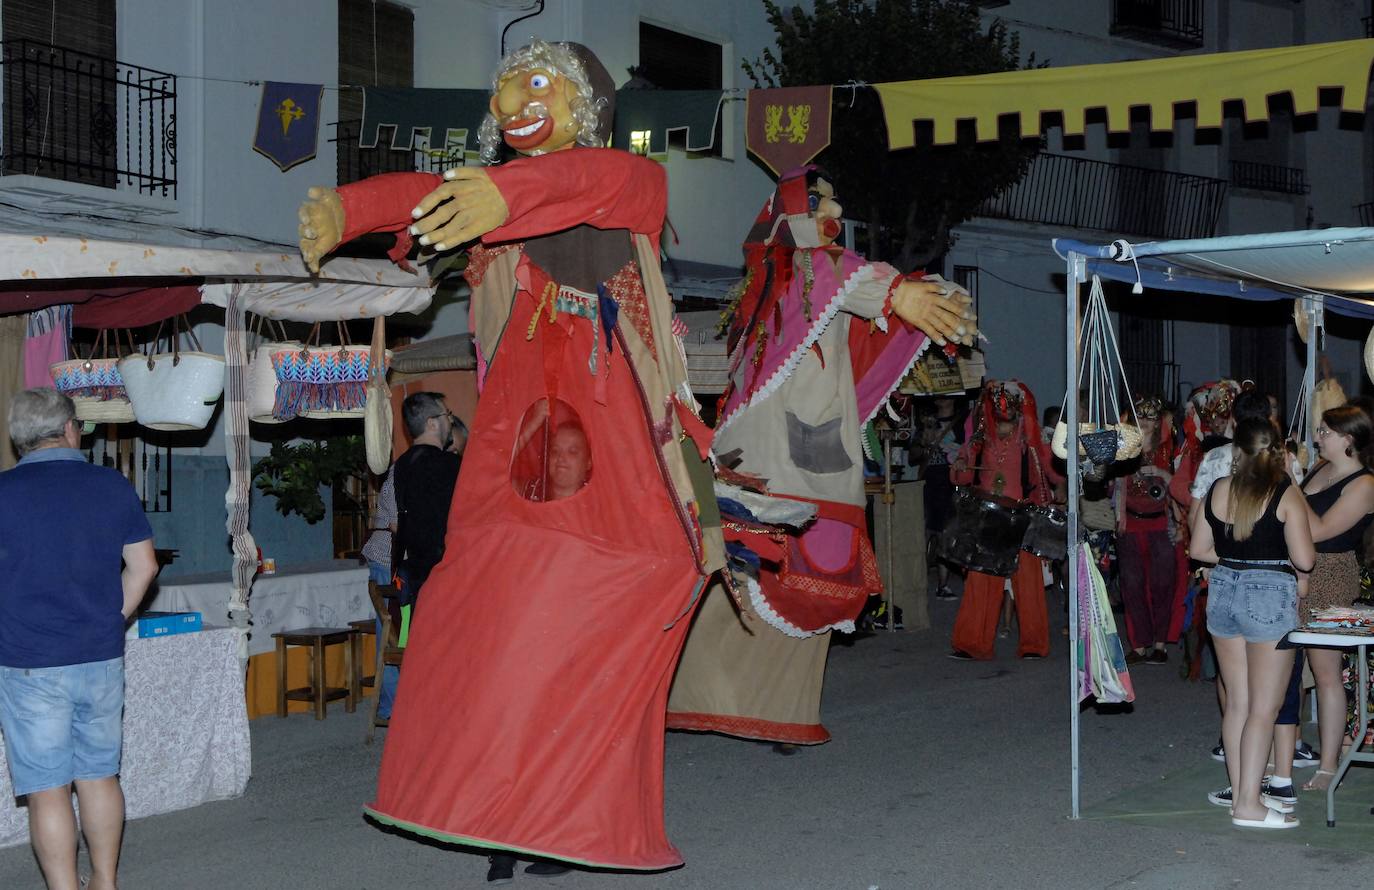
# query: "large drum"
(1047, 535)
(986, 532)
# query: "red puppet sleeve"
(601, 187)
(383, 203)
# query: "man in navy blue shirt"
(64, 600)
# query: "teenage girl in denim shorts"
(1254, 527)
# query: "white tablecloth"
(185, 729)
(324, 594)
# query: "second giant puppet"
(529, 715)
(819, 338)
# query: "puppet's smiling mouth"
(526, 130)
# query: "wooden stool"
(316, 638)
(361, 628)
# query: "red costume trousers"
(975, 629)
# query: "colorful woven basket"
(321, 382)
(96, 387)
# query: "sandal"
(1315, 783)
(1272, 819)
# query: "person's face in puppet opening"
(825, 210)
(533, 108)
(570, 462)
(1005, 428)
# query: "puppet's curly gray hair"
(558, 59)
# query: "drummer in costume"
(529, 718)
(819, 337)
(1007, 458)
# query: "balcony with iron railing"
(355, 163)
(86, 119)
(1366, 213)
(1269, 178)
(1079, 193)
(1173, 23)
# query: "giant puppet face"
(826, 211)
(533, 108)
(547, 97)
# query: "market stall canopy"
(1337, 264)
(277, 283)
(1207, 81)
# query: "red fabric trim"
(750, 728)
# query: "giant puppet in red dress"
(530, 711)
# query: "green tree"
(913, 197)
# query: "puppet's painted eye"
(813, 201)
(539, 81)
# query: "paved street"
(942, 774)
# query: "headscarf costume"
(1152, 586)
(1017, 467)
(814, 356)
(529, 716)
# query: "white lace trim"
(767, 613)
(920, 351)
(779, 376)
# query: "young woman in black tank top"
(1340, 495)
(1254, 528)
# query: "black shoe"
(546, 869)
(1219, 753)
(1032, 656)
(502, 870)
(944, 593)
(1157, 656)
(1134, 657)
(959, 655)
(1304, 756)
(786, 749)
(1220, 798)
(1281, 793)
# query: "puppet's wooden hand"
(940, 308)
(322, 224)
(463, 209)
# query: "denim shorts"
(62, 723)
(1260, 605)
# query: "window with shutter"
(376, 48)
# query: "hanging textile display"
(288, 122)
(45, 343)
(238, 497)
(1204, 81)
(788, 127)
(1101, 659)
(644, 118)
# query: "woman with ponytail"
(1254, 527)
(1340, 493)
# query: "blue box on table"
(161, 624)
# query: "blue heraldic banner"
(288, 122)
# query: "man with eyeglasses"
(424, 480)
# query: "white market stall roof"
(276, 282)
(1336, 264)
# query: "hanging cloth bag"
(261, 384)
(174, 390)
(377, 416)
(322, 382)
(94, 384)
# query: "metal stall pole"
(889, 587)
(1314, 305)
(1075, 274)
